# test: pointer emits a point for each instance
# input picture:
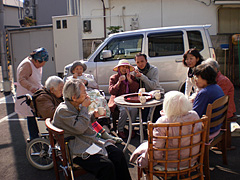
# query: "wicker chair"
(191, 171)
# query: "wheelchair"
(38, 150)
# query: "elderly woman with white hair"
(176, 108)
(106, 161)
(45, 102)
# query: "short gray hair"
(212, 62)
(53, 81)
(176, 104)
(72, 88)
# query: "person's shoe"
(122, 135)
(28, 140)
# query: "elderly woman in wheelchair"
(44, 103)
(98, 156)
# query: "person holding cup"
(122, 83)
(106, 161)
(148, 77)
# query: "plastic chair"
(61, 156)
(217, 113)
(191, 171)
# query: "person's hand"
(97, 115)
(75, 75)
(33, 89)
(129, 76)
(122, 78)
(138, 74)
(84, 81)
(86, 101)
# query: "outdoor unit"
(28, 8)
(67, 35)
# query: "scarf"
(125, 82)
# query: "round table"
(151, 103)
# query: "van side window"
(165, 44)
(195, 40)
(122, 48)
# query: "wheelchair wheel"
(39, 154)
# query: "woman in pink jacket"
(176, 108)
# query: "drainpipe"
(104, 19)
(6, 84)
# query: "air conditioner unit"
(28, 3)
(28, 8)
(29, 12)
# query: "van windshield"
(125, 47)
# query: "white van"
(164, 48)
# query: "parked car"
(163, 46)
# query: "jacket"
(77, 123)
(116, 91)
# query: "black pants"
(113, 167)
(32, 127)
(156, 113)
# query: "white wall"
(150, 13)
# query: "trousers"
(113, 167)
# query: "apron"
(35, 80)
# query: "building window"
(229, 20)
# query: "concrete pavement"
(14, 164)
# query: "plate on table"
(134, 98)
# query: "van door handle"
(178, 60)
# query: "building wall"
(11, 17)
(45, 9)
(151, 13)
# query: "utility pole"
(6, 84)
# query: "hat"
(40, 54)
(78, 63)
(124, 62)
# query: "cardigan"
(77, 123)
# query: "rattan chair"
(61, 153)
(191, 171)
(217, 113)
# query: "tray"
(133, 98)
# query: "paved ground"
(14, 164)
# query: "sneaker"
(122, 135)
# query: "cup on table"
(142, 90)
(157, 95)
(101, 111)
(142, 99)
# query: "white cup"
(142, 90)
(123, 77)
(157, 95)
(101, 111)
(142, 99)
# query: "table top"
(121, 102)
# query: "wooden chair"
(190, 171)
(217, 113)
(61, 153)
